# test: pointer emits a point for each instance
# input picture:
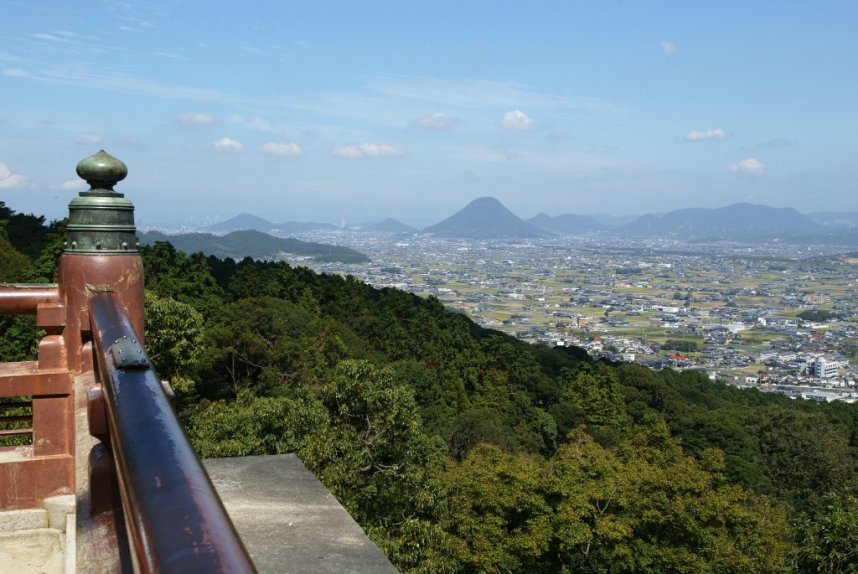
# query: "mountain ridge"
(735, 221)
(255, 244)
(565, 223)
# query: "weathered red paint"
(23, 299)
(82, 275)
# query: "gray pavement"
(288, 520)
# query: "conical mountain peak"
(484, 218)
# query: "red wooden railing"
(143, 473)
(38, 394)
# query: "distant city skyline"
(328, 110)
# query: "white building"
(826, 368)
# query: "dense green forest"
(461, 449)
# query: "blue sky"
(319, 110)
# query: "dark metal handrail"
(175, 518)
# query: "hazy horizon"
(329, 110)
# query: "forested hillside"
(460, 449)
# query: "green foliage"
(47, 262)
(804, 455)
(252, 425)
(377, 452)
(828, 539)
(361, 435)
(173, 340)
(499, 512)
(14, 266)
(173, 274)
(592, 397)
(683, 345)
(25, 232)
(19, 338)
(642, 507)
(648, 507)
(817, 315)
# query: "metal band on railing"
(176, 520)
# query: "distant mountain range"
(485, 218)
(845, 220)
(246, 221)
(566, 224)
(738, 221)
(488, 218)
(252, 243)
(389, 226)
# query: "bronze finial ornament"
(101, 221)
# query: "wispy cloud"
(367, 150)
(282, 149)
(700, 135)
(81, 75)
(667, 47)
(58, 38)
(197, 119)
(228, 144)
(517, 120)
(750, 166)
(471, 93)
(89, 139)
(9, 180)
(434, 122)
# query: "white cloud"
(367, 150)
(517, 120)
(228, 144)
(9, 180)
(196, 120)
(50, 37)
(436, 122)
(749, 165)
(700, 135)
(282, 149)
(89, 140)
(667, 47)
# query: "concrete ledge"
(71, 545)
(25, 519)
(58, 508)
(288, 520)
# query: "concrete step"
(23, 519)
(37, 551)
(39, 540)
